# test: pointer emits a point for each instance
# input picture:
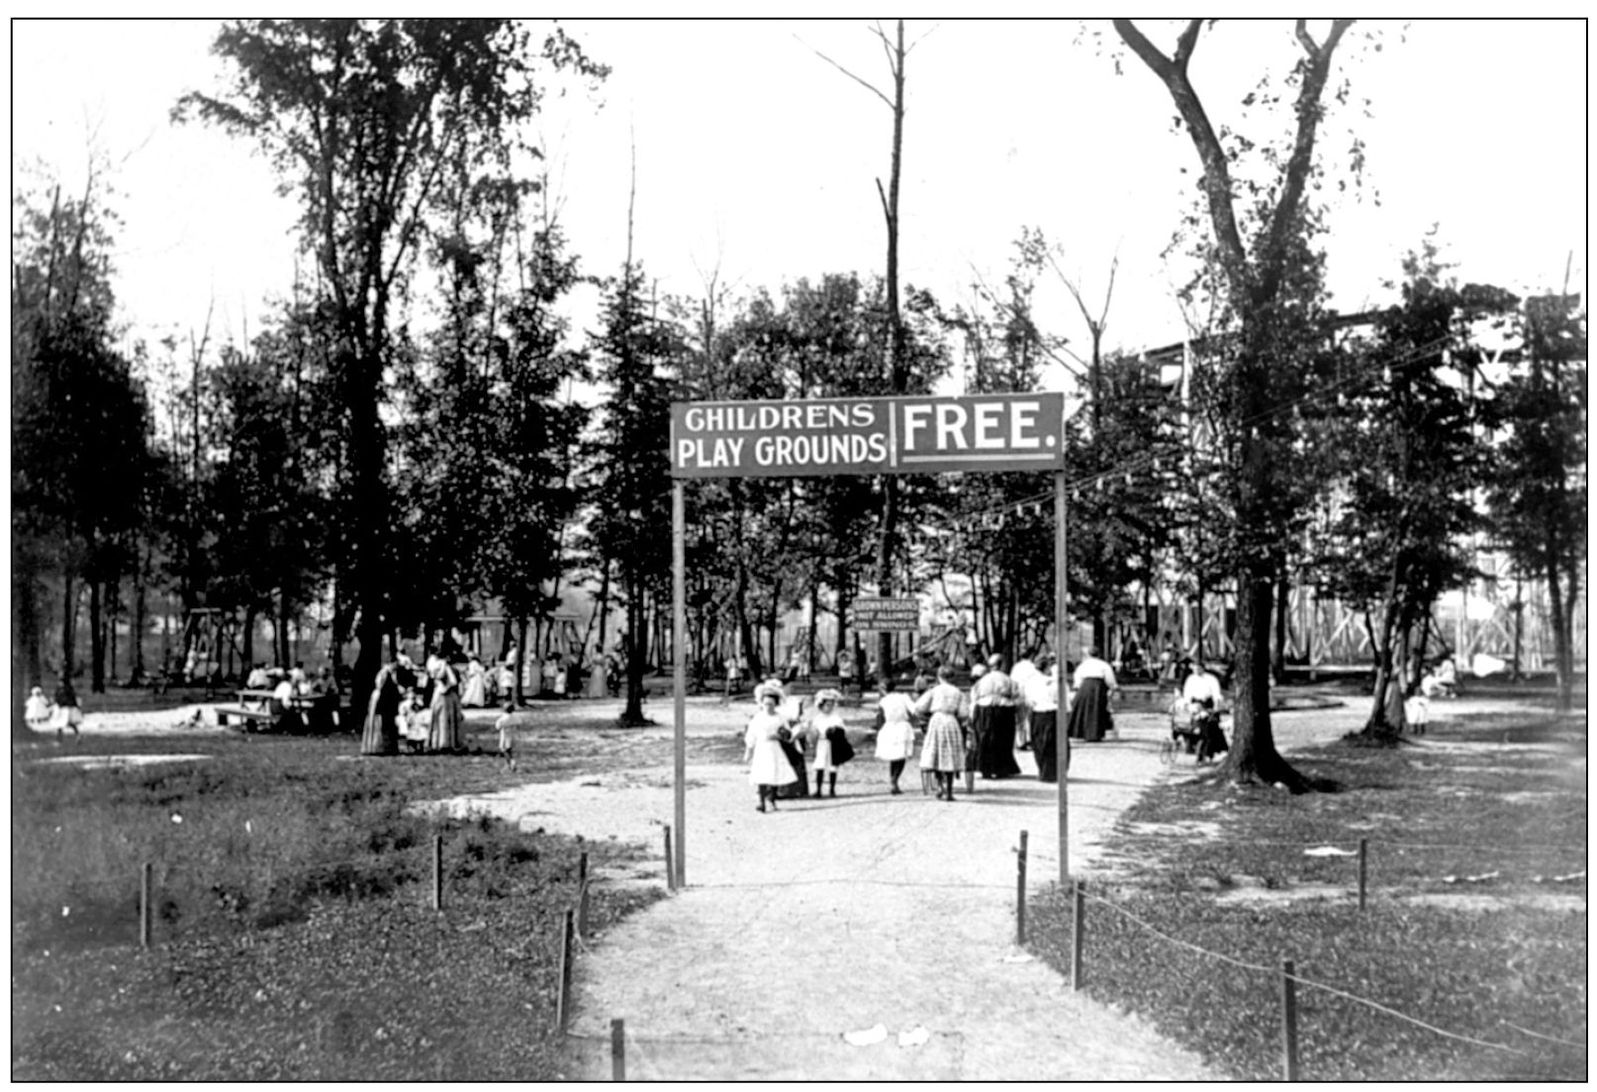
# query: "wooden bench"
(254, 719)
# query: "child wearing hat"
(769, 768)
(832, 747)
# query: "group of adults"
(300, 701)
(978, 733)
(421, 704)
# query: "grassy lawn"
(294, 935)
(1475, 921)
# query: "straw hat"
(830, 694)
(766, 689)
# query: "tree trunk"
(368, 518)
(637, 651)
(1379, 721)
(845, 599)
(113, 600)
(96, 641)
(23, 675)
(604, 608)
(69, 625)
(897, 367)
(136, 669)
(1253, 755)
(249, 639)
(285, 650)
(1283, 601)
(26, 667)
(884, 551)
(521, 659)
(1563, 644)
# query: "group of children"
(780, 747)
(42, 714)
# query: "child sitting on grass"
(507, 734)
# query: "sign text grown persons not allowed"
(886, 615)
(902, 435)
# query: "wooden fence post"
(670, 866)
(563, 1000)
(1364, 857)
(1077, 934)
(438, 871)
(1020, 892)
(618, 1050)
(1289, 1022)
(144, 905)
(582, 895)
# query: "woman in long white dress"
(474, 691)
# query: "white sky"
(757, 157)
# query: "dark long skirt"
(1213, 735)
(993, 729)
(380, 735)
(795, 758)
(1045, 743)
(1089, 716)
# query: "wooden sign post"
(825, 437)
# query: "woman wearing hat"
(769, 768)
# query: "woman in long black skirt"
(1093, 683)
(1042, 697)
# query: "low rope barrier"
(1377, 1006)
(1547, 1038)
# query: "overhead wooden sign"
(886, 615)
(907, 435)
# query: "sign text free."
(904, 435)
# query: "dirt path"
(832, 917)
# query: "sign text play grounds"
(905, 435)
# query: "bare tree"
(1255, 282)
(898, 369)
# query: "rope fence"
(620, 1041)
(1289, 978)
(153, 880)
(574, 931)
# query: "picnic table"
(254, 708)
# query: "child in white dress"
(418, 722)
(762, 748)
(832, 748)
(895, 737)
(507, 734)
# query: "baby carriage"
(1196, 729)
